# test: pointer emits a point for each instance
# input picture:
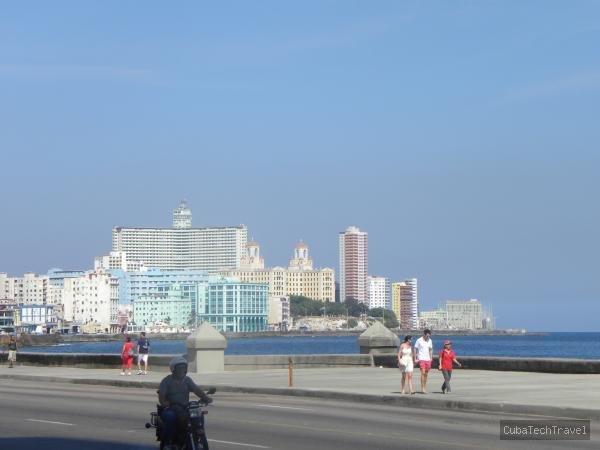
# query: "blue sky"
(463, 136)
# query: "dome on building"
(252, 243)
(300, 245)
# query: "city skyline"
(461, 136)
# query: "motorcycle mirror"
(212, 390)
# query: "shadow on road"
(27, 443)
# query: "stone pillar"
(206, 350)
(378, 340)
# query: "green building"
(235, 306)
(226, 303)
(173, 305)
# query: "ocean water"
(550, 345)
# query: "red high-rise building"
(353, 265)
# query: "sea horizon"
(547, 345)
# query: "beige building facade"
(299, 278)
(405, 303)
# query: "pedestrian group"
(422, 355)
(128, 353)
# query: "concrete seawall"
(232, 362)
(256, 362)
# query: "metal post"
(290, 372)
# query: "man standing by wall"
(12, 351)
(143, 350)
(424, 355)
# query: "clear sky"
(462, 136)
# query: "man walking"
(143, 349)
(423, 356)
(12, 351)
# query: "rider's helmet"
(176, 362)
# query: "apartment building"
(354, 267)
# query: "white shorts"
(12, 355)
(143, 357)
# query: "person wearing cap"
(174, 396)
(446, 358)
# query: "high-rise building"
(174, 306)
(396, 299)
(235, 306)
(30, 289)
(5, 287)
(90, 300)
(464, 314)
(117, 260)
(458, 315)
(353, 265)
(182, 247)
(134, 285)
(378, 289)
(56, 284)
(405, 303)
(300, 278)
(436, 319)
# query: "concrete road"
(516, 392)
(74, 417)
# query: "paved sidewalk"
(562, 395)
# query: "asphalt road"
(75, 417)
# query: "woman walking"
(446, 358)
(127, 356)
(405, 363)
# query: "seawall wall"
(254, 362)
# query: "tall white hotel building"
(353, 265)
(378, 290)
(182, 246)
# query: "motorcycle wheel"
(191, 443)
(203, 442)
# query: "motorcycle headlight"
(195, 412)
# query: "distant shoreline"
(50, 339)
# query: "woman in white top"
(405, 363)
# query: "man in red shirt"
(446, 358)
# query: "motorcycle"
(192, 436)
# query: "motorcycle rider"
(174, 396)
